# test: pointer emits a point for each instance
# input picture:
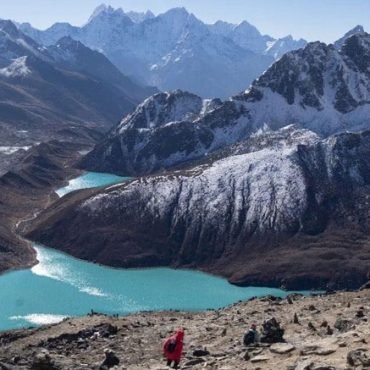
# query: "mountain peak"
(138, 17)
(67, 42)
(100, 9)
(178, 12)
(105, 10)
(356, 30)
(245, 24)
(9, 27)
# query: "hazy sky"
(324, 20)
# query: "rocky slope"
(283, 208)
(319, 87)
(26, 188)
(174, 50)
(67, 87)
(321, 333)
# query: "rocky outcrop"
(213, 339)
(319, 87)
(264, 213)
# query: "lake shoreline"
(84, 286)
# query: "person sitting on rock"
(172, 348)
(272, 332)
(251, 336)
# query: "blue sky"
(324, 20)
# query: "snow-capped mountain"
(244, 34)
(136, 17)
(286, 197)
(47, 90)
(248, 37)
(319, 87)
(277, 48)
(173, 49)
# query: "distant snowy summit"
(175, 50)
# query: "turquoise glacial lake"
(61, 286)
(90, 180)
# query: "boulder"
(272, 332)
(260, 358)
(320, 348)
(43, 361)
(358, 357)
(308, 364)
(110, 361)
(343, 325)
(282, 348)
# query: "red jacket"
(176, 354)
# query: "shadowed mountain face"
(44, 91)
(282, 208)
(319, 87)
(175, 50)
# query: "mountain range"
(61, 88)
(321, 88)
(175, 50)
(267, 188)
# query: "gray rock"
(200, 352)
(282, 348)
(343, 325)
(43, 361)
(260, 358)
(110, 361)
(358, 357)
(318, 349)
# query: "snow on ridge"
(18, 68)
(268, 179)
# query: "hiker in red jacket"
(172, 348)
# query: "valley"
(161, 170)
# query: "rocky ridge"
(327, 332)
(319, 87)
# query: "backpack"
(171, 346)
(249, 338)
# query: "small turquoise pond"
(61, 286)
(90, 180)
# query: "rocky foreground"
(325, 332)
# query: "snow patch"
(18, 68)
